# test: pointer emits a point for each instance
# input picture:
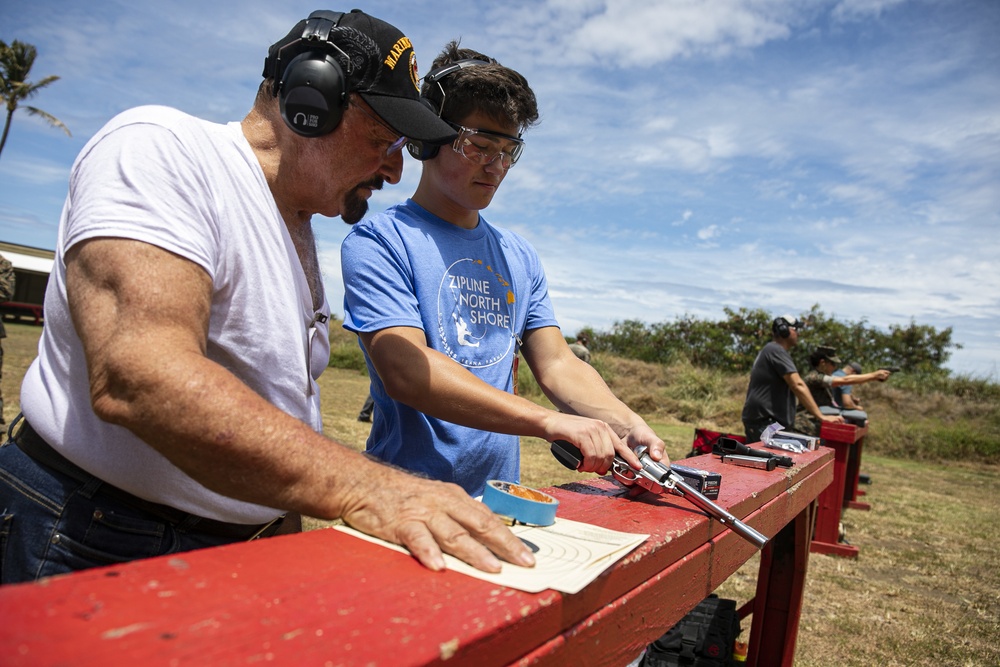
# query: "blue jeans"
(51, 523)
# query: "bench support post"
(777, 604)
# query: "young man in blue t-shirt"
(444, 302)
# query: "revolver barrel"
(674, 483)
(660, 479)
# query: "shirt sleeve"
(136, 183)
(379, 290)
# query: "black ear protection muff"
(419, 149)
(780, 328)
(308, 81)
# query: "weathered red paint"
(326, 597)
(845, 440)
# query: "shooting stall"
(327, 598)
(846, 441)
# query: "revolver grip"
(566, 453)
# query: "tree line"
(731, 344)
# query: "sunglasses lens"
(396, 146)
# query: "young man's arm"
(428, 381)
(842, 380)
(849, 403)
(575, 387)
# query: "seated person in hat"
(821, 382)
(579, 347)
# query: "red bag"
(704, 441)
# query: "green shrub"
(697, 373)
(348, 355)
(527, 386)
(732, 343)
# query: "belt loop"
(90, 487)
(187, 524)
(13, 424)
(269, 528)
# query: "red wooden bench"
(846, 441)
(16, 310)
(324, 597)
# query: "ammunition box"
(704, 482)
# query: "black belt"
(32, 444)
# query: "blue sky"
(692, 154)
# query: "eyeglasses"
(397, 144)
(484, 147)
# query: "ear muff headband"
(308, 80)
(781, 328)
(418, 149)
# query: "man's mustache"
(374, 184)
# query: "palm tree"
(15, 64)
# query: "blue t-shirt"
(838, 392)
(474, 293)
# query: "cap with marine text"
(388, 81)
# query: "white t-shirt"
(194, 188)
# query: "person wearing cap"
(822, 383)
(843, 395)
(579, 347)
(445, 302)
(173, 404)
(775, 384)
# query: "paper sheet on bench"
(570, 555)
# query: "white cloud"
(686, 148)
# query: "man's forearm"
(229, 439)
(580, 390)
(801, 392)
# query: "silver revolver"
(659, 479)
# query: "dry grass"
(925, 589)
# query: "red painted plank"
(617, 632)
(842, 432)
(324, 595)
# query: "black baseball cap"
(385, 76)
